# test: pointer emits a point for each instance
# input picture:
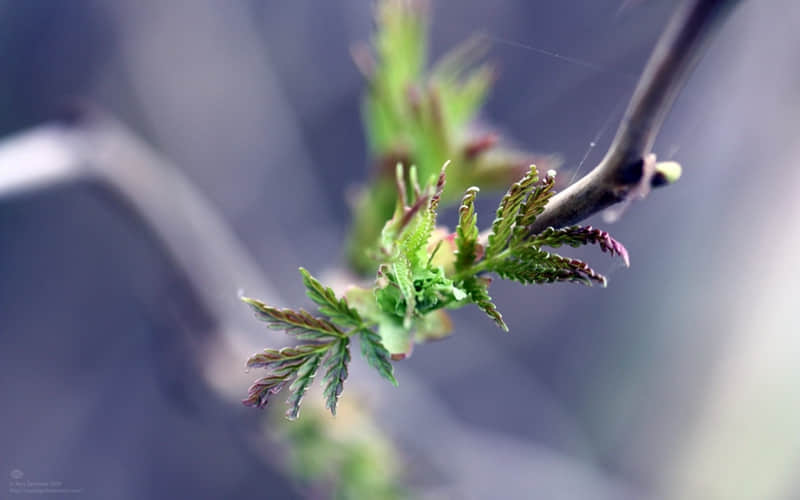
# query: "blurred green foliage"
(418, 116)
(346, 459)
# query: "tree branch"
(152, 194)
(628, 167)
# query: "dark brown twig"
(628, 167)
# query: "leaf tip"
(249, 301)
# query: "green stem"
(363, 326)
(320, 348)
(480, 266)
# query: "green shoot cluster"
(423, 270)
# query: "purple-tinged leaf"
(259, 393)
(576, 236)
(300, 324)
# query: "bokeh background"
(681, 380)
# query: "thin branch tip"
(628, 169)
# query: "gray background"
(678, 381)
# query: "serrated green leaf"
(532, 265)
(467, 231)
(336, 309)
(304, 377)
(534, 205)
(478, 290)
(413, 242)
(507, 212)
(419, 223)
(375, 353)
(336, 372)
(401, 269)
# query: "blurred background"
(679, 381)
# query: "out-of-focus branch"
(628, 167)
(90, 147)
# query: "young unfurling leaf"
(534, 205)
(514, 253)
(576, 236)
(507, 212)
(531, 265)
(413, 287)
(409, 284)
(478, 290)
(413, 240)
(467, 231)
(376, 354)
